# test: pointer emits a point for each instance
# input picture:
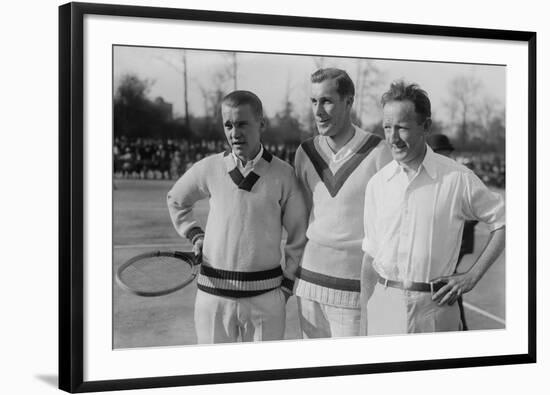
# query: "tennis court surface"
(142, 223)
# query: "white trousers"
(220, 319)
(320, 320)
(394, 311)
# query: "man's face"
(406, 137)
(331, 111)
(242, 130)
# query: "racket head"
(157, 273)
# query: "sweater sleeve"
(190, 188)
(299, 166)
(294, 219)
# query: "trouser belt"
(411, 285)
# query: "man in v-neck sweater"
(333, 169)
(242, 289)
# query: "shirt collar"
(391, 170)
(428, 164)
(344, 151)
(251, 163)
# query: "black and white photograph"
(289, 197)
(272, 197)
(250, 197)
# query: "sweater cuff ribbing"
(194, 233)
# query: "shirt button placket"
(404, 233)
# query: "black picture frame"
(71, 195)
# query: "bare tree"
(230, 70)
(212, 98)
(319, 62)
(185, 89)
(478, 118)
(487, 110)
(205, 93)
(286, 125)
(463, 104)
(181, 69)
(491, 120)
(368, 79)
(306, 116)
(234, 70)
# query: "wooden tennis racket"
(157, 273)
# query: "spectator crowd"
(490, 167)
(168, 159)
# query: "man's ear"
(350, 101)
(427, 125)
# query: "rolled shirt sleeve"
(481, 204)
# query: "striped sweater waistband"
(237, 284)
(343, 284)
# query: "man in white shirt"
(415, 209)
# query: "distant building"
(165, 109)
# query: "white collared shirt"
(335, 160)
(249, 164)
(413, 229)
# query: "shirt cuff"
(496, 225)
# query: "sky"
(273, 76)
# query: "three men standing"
(370, 219)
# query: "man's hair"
(344, 84)
(241, 98)
(400, 91)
